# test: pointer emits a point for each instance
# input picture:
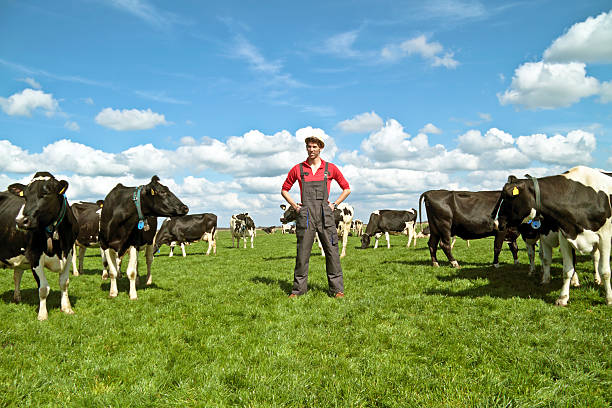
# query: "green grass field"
(220, 331)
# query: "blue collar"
(50, 228)
(136, 199)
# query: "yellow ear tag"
(515, 191)
(21, 194)
(101, 205)
(152, 192)
(63, 190)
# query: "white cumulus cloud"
(549, 85)
(362, 123)
(573, 149)
(129, 119)
(473, 141)
(430, 128)
(420, 46)
(587, 41)
(29, 100)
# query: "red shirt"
(334, 174)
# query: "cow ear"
(100, 203)
(512, 179)
(154, 179)
(17, 189)
(63, 187)
(283, 207)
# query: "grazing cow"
(269, 230)
(88, 218)
(578, 201)
(286, 228)
(187, 229)
(125, 224)
(385, 221)
(38, 230)
(466, 214)
(242, 226)
(357, 227)
(343, 216)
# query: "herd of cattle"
(38, 228)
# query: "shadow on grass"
(285, 285)
(30, 297)
(504, 282)
(277, 258)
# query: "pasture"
(220, 331)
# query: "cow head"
(365, 241)
(158, 200)
(289, 214)
(517, 203)
(45, 202)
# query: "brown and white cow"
(125, 224)
(38, 230)
(578, 201)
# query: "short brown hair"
(315, 139)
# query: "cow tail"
(420, 213)
(497, 205)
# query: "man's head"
(314, 144)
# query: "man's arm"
(289, 199)
(345, 193)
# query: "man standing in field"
(315, 215)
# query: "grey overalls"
(316, 216)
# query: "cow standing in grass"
(242, 226)
(124, 224)
(88, 217)
(187, 229)
(466, 214)
(38, 230)
(578, 201)
(385, 221)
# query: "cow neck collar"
(51, 227)
(538, 199)
(136, 199)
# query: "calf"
(578, 201)
(37, 230)
(385, 221)
(466, 214)
(242, 226)
(125, 224)
(187, 229)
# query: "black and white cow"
(269, 230)
(38, 230)
(343, 217)
(242, 226)
(187, 229)
(88, 217)
(466, 214)
(578, 201)
(357, 227)
(125, 224)
(385, 221)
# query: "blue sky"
(216, 98)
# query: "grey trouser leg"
(305, 239)
(329, 241)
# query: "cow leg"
(446, 247)
(318, 241)
(345, 232)
(388, 241)
(111, 257)
(568, 270)
(596, 276)
(497, 247)
(82, 250)
(513, 246)
(453, 241)
(208, 237)
(66, 307)
(531, 254)
(252, 234)
(171, 254)
(17, 274)
(183, 249)
(467, 241)
(75, 271)
(104, 264)
(546, 260)
(244, 239)
(149, 259)
(376, 236)
(132, 272)
(433, 248)
(43, 288)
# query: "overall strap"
(302, 179)
(325, 176)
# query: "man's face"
(313, 150)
